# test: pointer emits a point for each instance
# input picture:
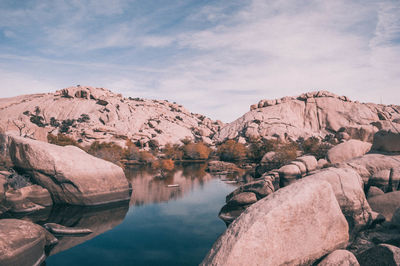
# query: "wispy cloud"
(214, 58)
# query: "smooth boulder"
(21, 243)
(70, 175)
(297, 224)
(348, 150)
(348, 188)
(340, 257)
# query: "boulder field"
(318, 113)
(268, 225)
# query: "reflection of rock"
(27, 199)
(148, 189)
(70, 175)
(21, 243)
(98, 220)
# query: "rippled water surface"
(161, 225)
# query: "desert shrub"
(286, 153)
(107, 151)
(54, 122)
(146, 157)
(196, 151)
(66, 124)
(174, 152)
(62, 140)
(258, 148)
(132, 151)
(231, 151)
(167, 165)
(314, 146)
(186, 140)
(37, 120)
(84, 118)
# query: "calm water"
(161, 225)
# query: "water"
(161, 225)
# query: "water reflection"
(147, 188)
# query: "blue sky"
(214, 57)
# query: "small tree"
(166, 166)
(20, 125)
(231, 151)
(196, 151)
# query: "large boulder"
(348, 150)
(261, 188)
(385, 204)
(295, 225)
(387, 141)
(21, 243)
(309, 161)
(70, 175)
(348, 188)
(288, 174)
(340, 257)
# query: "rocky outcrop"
(70, 175)
(340, 257)
(348, 150)
(311, 114)
(21, 243)
(297, 224)
(96, 114)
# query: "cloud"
(215, 59)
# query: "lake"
(160, 226)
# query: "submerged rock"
(70, 175)
(21, 243)
(58, 229)
(28, 199)
(297, 224)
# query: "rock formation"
(311, 114)
(88, 114)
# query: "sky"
(214, 57)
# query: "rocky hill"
(95, 114)
(311, 114)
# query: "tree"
(19, 124)
(196, 151)
(231, 151)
